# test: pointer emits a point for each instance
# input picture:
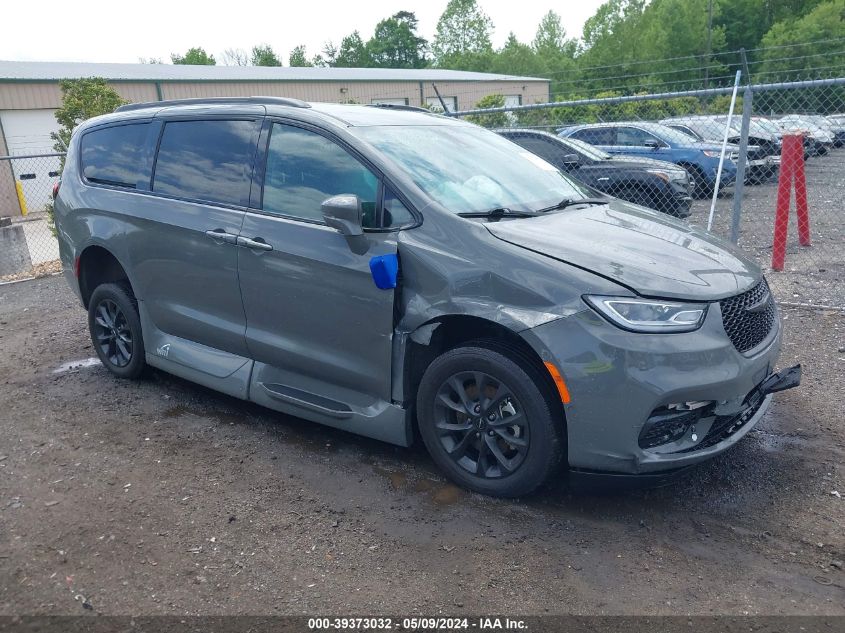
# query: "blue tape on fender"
(385, 270)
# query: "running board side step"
(305, 400)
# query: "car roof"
(646, 125)
(345, 115)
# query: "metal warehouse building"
(29, 95)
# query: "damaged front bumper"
(649, 403)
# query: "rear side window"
(596, 135)
(115, 155)
(547, 149)
(206, 160)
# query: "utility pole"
(709, 42)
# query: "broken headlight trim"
(649, 315)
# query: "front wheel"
(116, 330)
(488, 421)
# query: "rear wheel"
(487, 420)
(115, 329)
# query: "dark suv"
(650, 183)
(374, 269)
(653, 140)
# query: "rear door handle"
(257, 244)
(221, 236)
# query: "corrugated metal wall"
(37, 95)
(27, 95)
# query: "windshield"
(591, 151)
(469, 169)
(767, 125)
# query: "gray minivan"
(380, 268)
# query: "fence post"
(739, 187)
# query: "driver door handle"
(220, 236)
(257, 244)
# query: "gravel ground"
(161, 497)
(814, 274)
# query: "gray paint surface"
(303, 329)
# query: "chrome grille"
(748, 318)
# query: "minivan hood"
(651, 254)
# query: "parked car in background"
(653, 140)
(763, 159)
(820, 140)
(838, 119)
(825, 123)
(656, 184)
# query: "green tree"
(462, 39)
(352, 53)
(516, 58)
(807, 57)
(81, 100)
(264, 55)
(194, 57)
(555, 52)
(495, 120)
(298, 57)
(395, 43)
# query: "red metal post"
(801, 208)
(791, 153)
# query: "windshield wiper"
(498, 212)
(569, 202)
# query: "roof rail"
(283, 101)
(399, 106)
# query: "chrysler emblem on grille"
(760, 305)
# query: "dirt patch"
(39, 270)
(161, 497)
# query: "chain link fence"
(729, 165)
(28, 247)
(744, 163)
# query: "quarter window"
(115, 155)
(305, 168)
(206, 160)
(396, 214)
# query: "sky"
(115, 31)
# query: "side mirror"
(571, 160)
(653, 144)
(344, 213)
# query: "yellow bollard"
(21, 199)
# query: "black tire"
(462, 445)
(115, 329)
(703, 189)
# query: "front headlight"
(711, 153)
(663, 175)
(649, 315)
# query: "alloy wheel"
(112, 333)
(481, 425)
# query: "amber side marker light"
(559, 383)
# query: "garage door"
(27, 132)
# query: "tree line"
(626, 46)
